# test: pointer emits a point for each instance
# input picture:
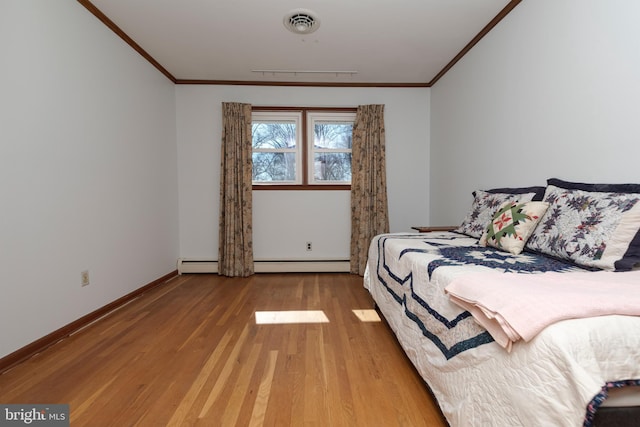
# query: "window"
(330, 152)
(276, 148)
(308, 148)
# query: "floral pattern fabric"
(369, 207)
(484, 206)
(512, 225)
(591, 229)
(235, 247)
(599, 399)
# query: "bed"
(566, 367)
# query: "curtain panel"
(235, 250)
(369, 210)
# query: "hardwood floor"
(189, 352)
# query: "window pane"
(332, 135)
(332, 167)
(273, 135)
(274, 167)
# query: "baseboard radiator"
(262, 266)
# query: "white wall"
(88, 177)
(322, 217)
(552, 91)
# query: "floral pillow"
(484, 205)
(590, 228)
(512, 225)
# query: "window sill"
(305, 187)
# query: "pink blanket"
(515, 306)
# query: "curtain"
(369, 212)
(235, 250)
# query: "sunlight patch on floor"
(293, 316)
(369, 315)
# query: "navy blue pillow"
(521, 190)
(599, 188)
(632, 257)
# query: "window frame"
(304, 151)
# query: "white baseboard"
(298, 266)
(196, 266)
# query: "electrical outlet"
(84, 278)
(309, 246)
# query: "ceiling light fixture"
(301, 21)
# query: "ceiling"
(357, 42)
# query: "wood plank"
(264, 391)
(189, 352)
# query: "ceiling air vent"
(301, 21)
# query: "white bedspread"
(518, 306)
(548, 381)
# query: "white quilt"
(548, 381)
